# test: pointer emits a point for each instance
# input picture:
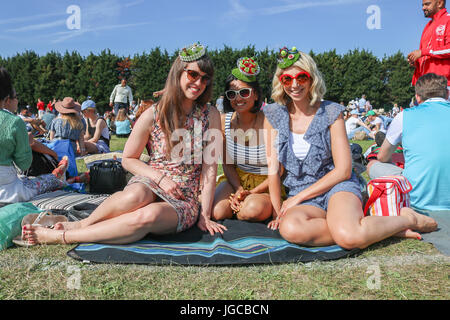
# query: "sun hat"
(247, 69)
(68, 105)
(87, 104)
(371, 113)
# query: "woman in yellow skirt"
(243, 188)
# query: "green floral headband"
(287, 58)
(247, 69)
(192, 53)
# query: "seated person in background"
(123, 124)
(45, 160)
(33, 125)
(48, 117)
(145, 104)
(424, 134)
(376, 123)
(96, 137)
(354, 124)
(16, 152)
(68, 125)
(110, 118)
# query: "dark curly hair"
(255, 86)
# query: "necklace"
(248, 134)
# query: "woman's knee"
(255, 210)
(348, 239)
(222, 210)
(293, 230)
(137, 194)
(143, 218)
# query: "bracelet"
(160, 179)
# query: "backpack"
(387, 195)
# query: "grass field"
(391, 269)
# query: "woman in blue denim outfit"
(324, 205)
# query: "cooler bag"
(387, 195)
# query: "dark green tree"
(398, 75)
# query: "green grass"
(406, 269)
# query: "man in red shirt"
(434, 53)
(41, 108)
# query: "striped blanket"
(66, 200)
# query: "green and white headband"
(247, 69)
(287, 58)
(192, 53)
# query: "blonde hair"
(318, 87)
(122, 115)
(73, 119)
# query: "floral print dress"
(185, 170)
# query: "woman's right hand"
(237, 198)
(171, 188)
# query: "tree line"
(347, 76)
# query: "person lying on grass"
(324, 204)
(163, 197)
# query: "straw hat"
(68, 105)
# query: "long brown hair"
(170, 112)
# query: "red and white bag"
(387, 195)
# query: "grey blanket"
(441, 237)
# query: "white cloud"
(41, 26)
(63, 36)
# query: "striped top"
(251, 159)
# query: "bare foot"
(421, 222)
(67, 225)
(35, 234)
(408, 233)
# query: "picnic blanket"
(65, 200)
(441, 237)
(244, 243)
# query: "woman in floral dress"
(163, 197)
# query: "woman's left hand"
(207, 225)
(289, 203)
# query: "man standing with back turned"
(434, 53)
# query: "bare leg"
(133, 197)
(255, 207)
(156, 218)
(350, 229)
(306, 225)
(221, 205)
(91, 148)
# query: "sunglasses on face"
(301, 78)
(194, 76)
(243, 93)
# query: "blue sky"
(128, 27)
